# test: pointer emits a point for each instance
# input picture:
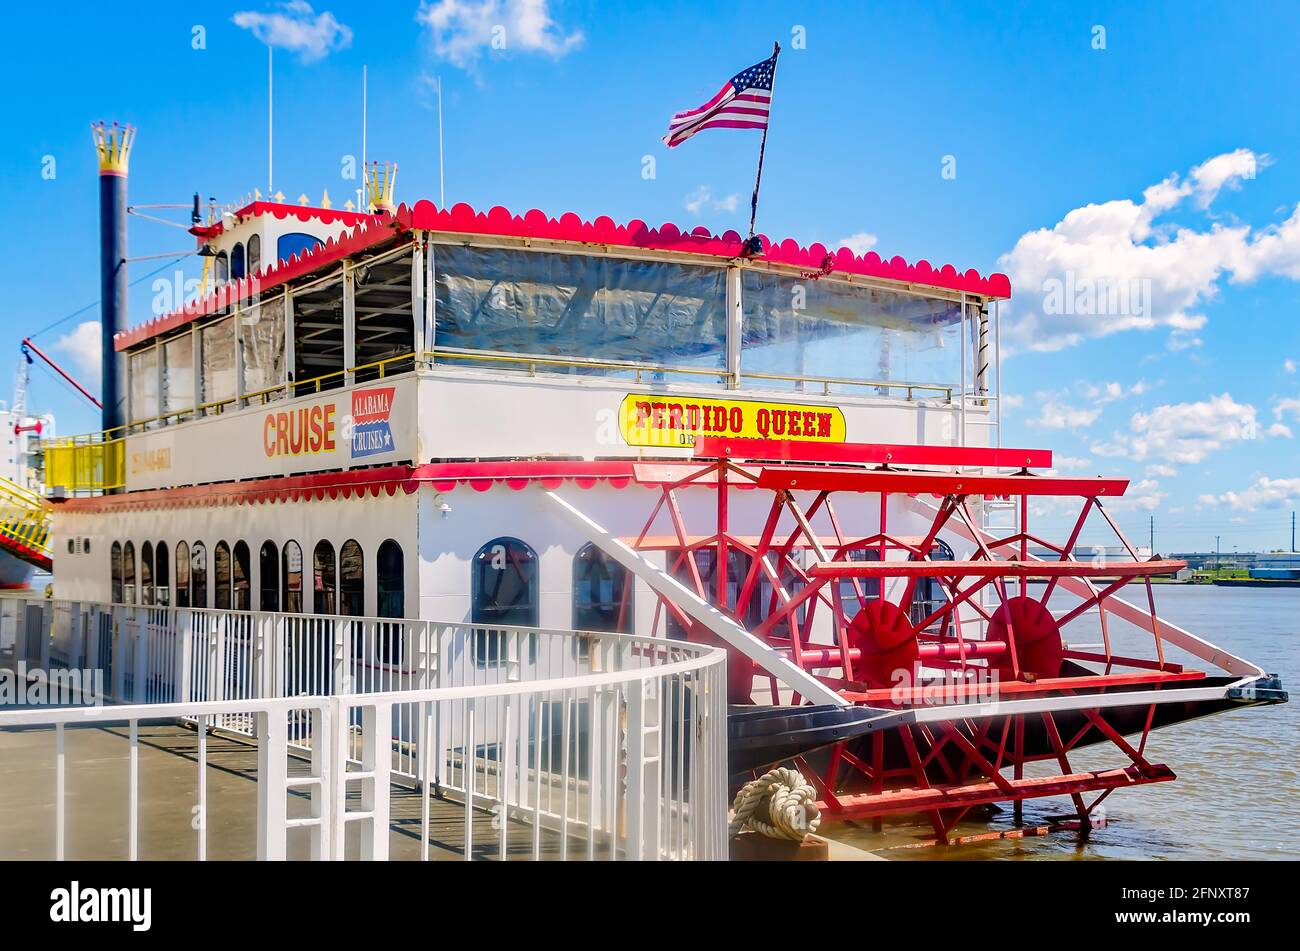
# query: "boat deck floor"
(97, 796)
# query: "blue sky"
(1060, 119)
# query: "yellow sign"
(646, 420)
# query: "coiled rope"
(780, 804)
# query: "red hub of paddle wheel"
(883, 583)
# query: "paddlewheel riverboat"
(529, 421)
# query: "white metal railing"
(527, 742)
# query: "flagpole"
(762, 146)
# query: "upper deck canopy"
(371, 232)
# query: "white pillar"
(735, 326)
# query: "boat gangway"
(226, 734)
(24, 524)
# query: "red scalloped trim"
(370, 230)
(668, 237)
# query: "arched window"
(352, 579)
(221, 568)
(294, 243)
(391, 578)
(602, 593)
(324, 581)
(115, 569)
(268, 563)
(737, 568)
(146, 573)
(199, 575)
(853, 599)
(928, 595)
(254, 254)
(182, 575)
(243, 594)
(292, 561)
(223, 267)
(128, 573)
(504, 593)
(162, 576)
(237, 262)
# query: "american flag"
(742, 103)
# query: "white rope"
(780, 804)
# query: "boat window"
(237, 261)
(384, 326)
(292, 563)
(146, 573)
(178, 373)
(769, 600)
(803, 328)
(261, 345)
(243, 595)
(268, 563)
(391, 580)
(929, 595)
(352, 579)
(162, 576)
(218, 363)
(144, 385)
(318, 338)
(182, 575)
(295, 243)
(128, 573)
(602, 593)
(223, 267)
(324, 581)
(504, 594)
(115, 570)
(254, 254)
(737, 568)
(851, 599)
(199, 575)
(221, 568)
(523, 302)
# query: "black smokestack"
(113, 145)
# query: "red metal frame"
(987, 623)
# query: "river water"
(1237, 795)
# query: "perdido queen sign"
(646, 420)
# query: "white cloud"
(460, 30)
(1263, 493)
(1145, 495)
(1057, 415)
(1289, 366)
(702, 198)
(1166, 472)
(1114, 266)
(1188, 432)
(1101, 393)
(859, 243)
(82, 345)
(1279, 430)
(299, 28)
(1288, 405)
(1012, 400)
(1072, 463)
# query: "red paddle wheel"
(964, 659)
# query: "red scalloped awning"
(369, 231)
(361, 483)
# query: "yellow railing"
(24, 523)
(91, 463)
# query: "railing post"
(118, 642)
(344, 633)
(272, 784)
(47, 625)
(184, 654)
(139, 635)
(376, 762)
(263, 630)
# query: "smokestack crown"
(113, 146)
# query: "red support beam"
(860, 453)
(826, 479)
